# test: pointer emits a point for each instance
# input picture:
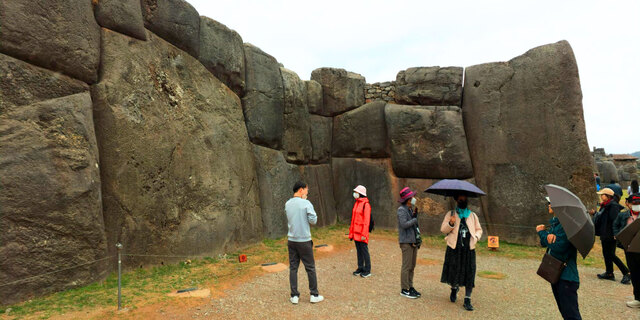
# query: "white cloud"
(379, 38)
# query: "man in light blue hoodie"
(300, 214)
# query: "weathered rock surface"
(320, 182)
(430, 86)
(263, 103)
(176, 21)
(314, 96)
(321, 138)
(51, 204)
(61, 35)
(361, 132)
(341, 90)
(428, 142)
(178, 170)
(296, 138)
(377, 176)
(608, 172)
(23, 83)
(525, 128)
(124, 16)
(222, 52)
(276, 178)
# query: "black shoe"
(607, 276)
(408, 294)
(626, 279)
(454, 294)
(467, 304)
(412, 289)
(357, 272)
(365, 274)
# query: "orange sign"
(494, 242)
(242, 258)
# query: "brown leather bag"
(551, 268)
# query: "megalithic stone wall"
(163, 131)
(525, 128)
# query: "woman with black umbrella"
(462, 229)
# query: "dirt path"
(521, 295)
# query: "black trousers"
(633, 260)
(364, 260)
(566, 294)
(609, 254)
(302, 251)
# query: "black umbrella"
(453, 187)
(629, 237)
(573, 216)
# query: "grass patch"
(492, 275)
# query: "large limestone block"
(361, 132)
(314, 96)
(341, 90)
(263, 103)
(61, 35)
(429, 86)
(23, 83)
(222, 52)
(177, 168)
(428, 142)
(525, 128)
(176, 21)
(320, 181)
(321, 138)
(296, 139)
(124, 16)
(608, 172)
(50, 200)
(276, 178)
(377, 176)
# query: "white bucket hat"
(361, 190)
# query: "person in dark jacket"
(597, 181)
(565, 291)
(603, 222)
(633, 258)
(617, 190)
(408, 235)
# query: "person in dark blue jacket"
(565, 290)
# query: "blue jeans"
(566, 294)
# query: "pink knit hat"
(406, 194)
(361, 190)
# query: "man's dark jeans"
(302, 251)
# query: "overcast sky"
(379, 38)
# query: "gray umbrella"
(630, 237)
(573, 217)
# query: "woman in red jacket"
(359, 230)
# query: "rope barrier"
(52, 272)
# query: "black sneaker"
(408, 294)
(365, 274)
(607, 276)
(454, 294)
(357, 272)
(626, 279)
(415, 292)
(467, 304)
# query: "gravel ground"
(521, 295)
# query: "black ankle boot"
(454, 294)
(467, 304)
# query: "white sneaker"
(295, 299)
(633, 304)
(316, 299)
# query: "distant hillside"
(636, 154)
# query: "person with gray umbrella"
(565, 291)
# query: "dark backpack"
(372, 224)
